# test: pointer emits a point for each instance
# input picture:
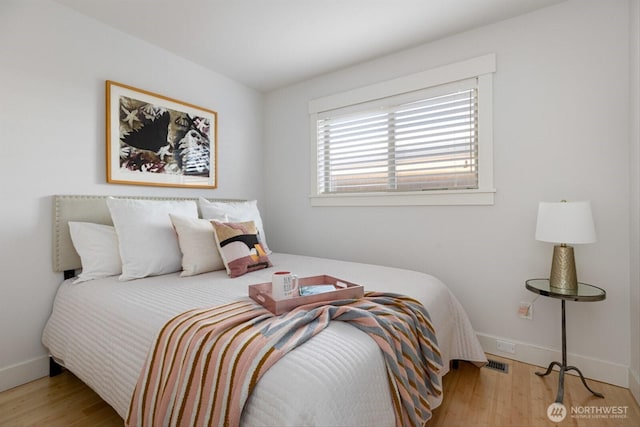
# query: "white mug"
(283, 285)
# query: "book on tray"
(316, 289)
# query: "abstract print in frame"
(156, 140)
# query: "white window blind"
(420, 139)
(417, 141)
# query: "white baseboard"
(634, 384)
(595, 369)
(23, 372)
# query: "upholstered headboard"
(86, 209)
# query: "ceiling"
(267, 44)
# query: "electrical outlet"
(506, 346)
(525, 310)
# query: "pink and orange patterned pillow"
(240, 248)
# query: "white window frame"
(481, 68)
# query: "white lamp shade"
(565, 222)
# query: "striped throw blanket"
(205, 362)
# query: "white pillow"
(198, 245)
(147, 241)
(97, 245)
(235, 212)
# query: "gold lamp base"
(563, 270)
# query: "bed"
(102, 330)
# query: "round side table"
(585, 292)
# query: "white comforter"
(101, 330)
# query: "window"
(421, 139)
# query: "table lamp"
(565, 223)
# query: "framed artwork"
(156, 140)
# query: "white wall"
(561, 131)
(54, 63)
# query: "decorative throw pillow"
(235, 212)
(240, 248)
(97, 245)
(147, 241)
(198, 245)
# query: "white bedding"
(101, 330)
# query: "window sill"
(431, 198)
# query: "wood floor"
(484, 397)
(473, 397)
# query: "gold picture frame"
(159, 141)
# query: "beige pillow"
(198, 245)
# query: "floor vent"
(497, 366)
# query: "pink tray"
(261, 293)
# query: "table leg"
(573, 368)
(563, 367)
(560, 395)
(564, 336)
(549, 369)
